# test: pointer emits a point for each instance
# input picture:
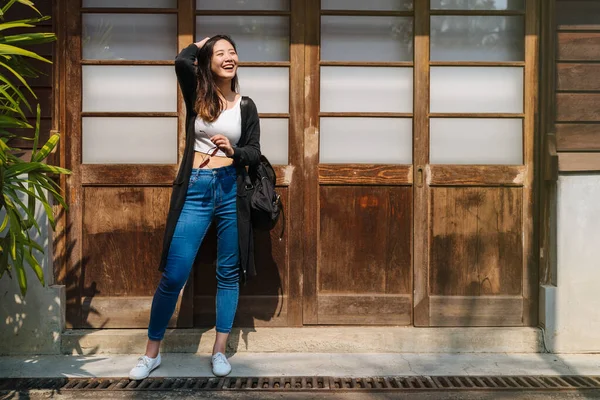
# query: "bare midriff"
(214, 162)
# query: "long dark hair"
(208, 104)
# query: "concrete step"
(305, 364)
(313, 340)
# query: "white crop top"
(228, 124)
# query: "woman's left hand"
(223, 144)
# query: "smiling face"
(224, 61)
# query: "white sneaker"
(220, 365)
(144, 366)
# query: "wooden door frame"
(67, 238)
(501, 176)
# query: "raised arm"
(186, 72)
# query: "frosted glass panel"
(366, 89)
(257, 38)
(129, 140)
(351, 140)
(282, 5)
(478, 38)
(129, 36)
(129, 88)
(268, 87)
(274, 139)
(131, 3)
(477, 4)
(477, 89)
(476, 141)
(395, 5)
(366, 38)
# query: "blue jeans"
(212, 193)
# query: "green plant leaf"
(28, 39)
(15, 24)
(11, 50)
(46, 149)
(20, 77)
(11, 122)
(4, 223)
(20, 269)
(35, 265)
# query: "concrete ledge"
(313, 340)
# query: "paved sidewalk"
(309, 364)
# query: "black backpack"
(265, 202)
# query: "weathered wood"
(578, 15)
(122, 239)
(387, 64)
(582, 77)
(576, 46)
(578, 137)
(253, 311)
(578, 107)
(311, 160)
(365, 174)
(59, 236)
(101, 312)
(476, 175)
(369, 13)
(477, 63)
(130, 174)
(421, 237)
(365, 309)
(124, 10)
(244, 12)
(294, 172)
(550, 159)
(477, 115)
(477, 311)
(365, 242)
(477, 246)
(365, 115)
(529, 264)
(73, 96)
(127, 62)
(578, 162)
(123, 114)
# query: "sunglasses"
(207, 160)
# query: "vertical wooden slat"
(296, 160)
(546, 104)
(59, 238)
(530, 272)
(421, 236)
(311, 160)
(74, 231)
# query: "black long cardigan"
(247, 152)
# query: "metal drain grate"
(387, 383)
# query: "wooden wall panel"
(122, 240)
(364, 268)
(365, 240)
(579, 107)
(577, 95)
(578, 137)
(584, 77)
(476, 241)
(575, 46)
(263, 300)
(578, 14)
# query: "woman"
(222, 138)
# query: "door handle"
(419, 176)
